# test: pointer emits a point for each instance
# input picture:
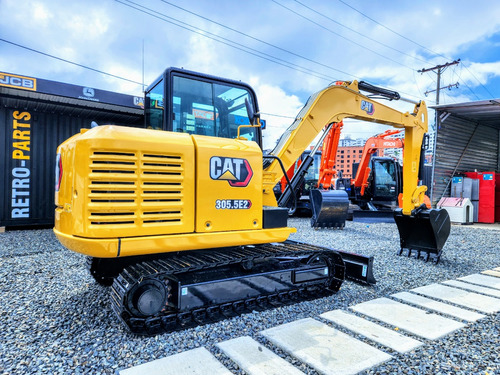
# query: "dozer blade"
(426, 231)
(329, 208)
(367, 216)
(358, 268)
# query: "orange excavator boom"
(328, 156)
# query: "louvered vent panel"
(131, 190)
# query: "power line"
(69, 62)
(233, 44)
(228, 42)
(391, 30)
(256, 39)
(440, 69)
(99, 71)
(359, 33)
(421, 46)
(341, 36)
(271, 114)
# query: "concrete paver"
(197, 361)
(491, 273)
(472, 287)
(484, 280)
(441, 307)
(408, 318)
(461, 297)
(373, 331)
(326, 349)
(256, 359)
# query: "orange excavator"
(328, 157)
(377, 185)
(378, 142)
(311, 183)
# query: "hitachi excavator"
(181, 217)
(378, 180)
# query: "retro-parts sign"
(237, 172)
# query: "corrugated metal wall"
(462, 146)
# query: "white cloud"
(274, 101)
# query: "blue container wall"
(29, 143)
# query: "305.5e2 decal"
(233, 204)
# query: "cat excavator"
(180, 218)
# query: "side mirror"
(252, 116)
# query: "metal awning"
(41, 102)
(484, 112)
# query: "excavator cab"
(384, 184)
(188, 102)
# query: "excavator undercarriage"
(182, 290)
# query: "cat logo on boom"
(237, 172)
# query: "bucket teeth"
(427, 255)
(425, 232)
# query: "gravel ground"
(55, 319)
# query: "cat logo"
(367, 107)
(237, 172)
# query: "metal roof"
(41, 102)
(484, 112)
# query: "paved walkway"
(331, 351)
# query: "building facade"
(346, 156)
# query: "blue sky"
(286, 49)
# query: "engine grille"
(135, 190)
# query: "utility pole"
(440, 69)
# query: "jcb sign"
(18, 82)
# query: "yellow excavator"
(181, 219)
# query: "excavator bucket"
(424, 232)
(329, 208)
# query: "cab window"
(210, 108)
(154, 107)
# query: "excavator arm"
(336, 103)
(420, 229)
(328, 156)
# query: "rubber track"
(168, 321)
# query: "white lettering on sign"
(21, 148)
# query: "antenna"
(143, 65)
